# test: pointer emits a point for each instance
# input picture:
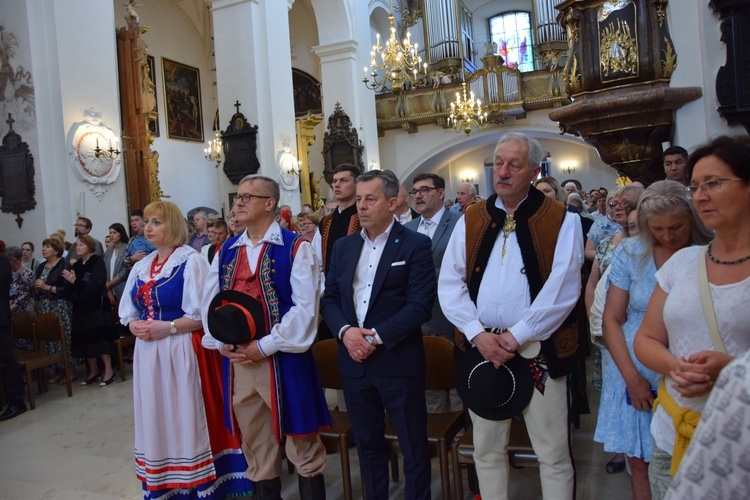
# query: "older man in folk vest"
(509, 281)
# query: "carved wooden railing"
(504, 92)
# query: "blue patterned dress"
(182, 447)
(620, 427)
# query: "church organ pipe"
(443, 28)
(546, 22)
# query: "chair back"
(23, 327)
(49, 328)
(326, 357)
(441, 365)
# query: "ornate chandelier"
(467, 113)
(400, 64)
(214, 150)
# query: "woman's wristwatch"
(172, 328)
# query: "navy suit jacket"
(438, 324)
(402, 297)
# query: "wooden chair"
(520, 454)
(125, 340)
(47, 328)
(442, 428)
(23, 329)
(340, 436)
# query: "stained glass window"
(511, 31)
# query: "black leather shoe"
(12, 411)
(105, 383)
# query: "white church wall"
(186, 177)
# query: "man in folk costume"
(272, 379)
(342, 221)
(509, 281)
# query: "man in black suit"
(380, 289)
(8, 366)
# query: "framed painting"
(182, 101)
(307, 95)
(154, 125)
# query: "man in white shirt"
(380, 288)
(436, 222)
(404, 213)
(513, 264)
(279, 269)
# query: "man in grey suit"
(436, 222)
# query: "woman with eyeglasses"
(668, 223)
(27, 250)
(608, 226)
(183, 448)
(675, 339)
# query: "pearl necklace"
(724, 262)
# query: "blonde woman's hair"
(668, 197)
(176, 227)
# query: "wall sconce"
(214, 150)
(109, 154)
(467, 178)
(569, 168)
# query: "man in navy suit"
(380, 289)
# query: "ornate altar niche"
(16, 174)
(341, 144)
(137, 103)
(733, 79)
(620, 61)
(239, 143)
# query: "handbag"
(708, 306)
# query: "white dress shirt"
(503, 300)
(297, 329)
(428, 226)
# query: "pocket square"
(399, 263)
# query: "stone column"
(254, 66)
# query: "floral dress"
(22, 297)
(50, 302)
(620, 427)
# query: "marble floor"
(82, 448)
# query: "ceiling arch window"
(511, 31)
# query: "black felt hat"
(236, 318)
(494, 394)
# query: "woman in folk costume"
(182, 448)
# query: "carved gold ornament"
(618, 49)
(669, 63)
(574, 80)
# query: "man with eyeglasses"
(436, 222)
(83, 226)
(279, 270)
(675, 164)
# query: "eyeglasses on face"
(423, 191)
(624, 204)
(247, 198)
(708, 186)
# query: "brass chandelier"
(467, 113)
(214, 150)
(400, 64)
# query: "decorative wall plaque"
(240, 147)
(94, 152)
(16, 174)
(341, 144)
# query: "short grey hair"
(201, 213)
(14, 252)
(536, 154)
(390, 182)
(472, 189)
(271, 185)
